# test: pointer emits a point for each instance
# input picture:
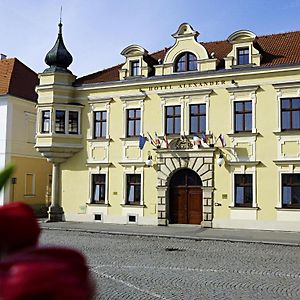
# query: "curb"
(167, 236)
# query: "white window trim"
(192, 101)
(100, 172)
(234, 99)
(244, 171)
(99, 104)
(135, 101)
(285, 90)
(134, 172)
(280, 173)
(242, 46)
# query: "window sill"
(242, 66)
(30, 196)
(288, 208)
(130, 138)
(243, 208)
(243, 134)
(287, 132)
(98, 204)
(133, 205)
(102, 139)
(65, 135)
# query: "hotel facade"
(198, 133)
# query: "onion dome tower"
(58, 58)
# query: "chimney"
(2, 56)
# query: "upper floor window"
(290, 190)
(60, 121)
(290, 113)
(173, 119)
(73, 122)
(243, 187)
(186, 62)
(133, 122)
(133, 195)
(243, 56)
(46, 121)
(242, 116)
(134, 68)
(99, 124)
(98, 188)
(197, 118)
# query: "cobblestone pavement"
(127, 267)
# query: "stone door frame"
(169, 161)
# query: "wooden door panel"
(194, 201)
(179, 206)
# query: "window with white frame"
(133, 122)
(133, 189)
(46, 117)
(100, 124)
(73, 122)
(290, 190)
(98, 188)
(290, 113)
(197, 118)
(173, 119)
(243, 190)
(242, 116)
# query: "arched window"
(186, 62)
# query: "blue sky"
(96, 31)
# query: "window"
(242, 116)
(73, 122)
(134, 68)
(243, 56)
(46, 121)
(133, 122)
(60, 121)
(98, 188)
(99, 124)
(243, 190)
(29, 185)
(133, 190)
(290, 190)
(186, 62)
(290, 114)
(173, 119)
(197, 118)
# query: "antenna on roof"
(60, 14)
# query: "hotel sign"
(187, 85)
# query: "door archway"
(185, 198)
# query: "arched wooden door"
(185, 198)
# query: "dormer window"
(186, 62)
(135, 68)
(243, 56)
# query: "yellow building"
(225, 122)
(31, 179)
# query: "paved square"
(127, 267)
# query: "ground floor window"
(290, 190)
(133, 189)
(243, 187)
(98, 188)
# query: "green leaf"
(5, 174)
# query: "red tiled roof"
(17, 79)
(276, 49)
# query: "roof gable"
(17, 79)
(276, 49)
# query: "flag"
(204, 138)
(151, 139)
(157, 140)
(142, 141)
(196, 141)
(222, 139)
(166, 141)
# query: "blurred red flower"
(45, 273)
(18, 228)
